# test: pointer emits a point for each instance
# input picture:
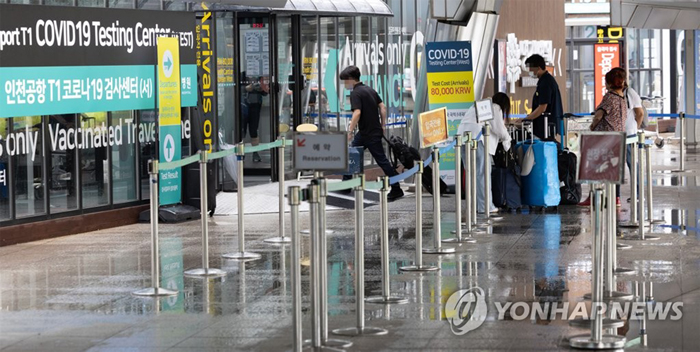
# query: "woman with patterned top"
(611, 114)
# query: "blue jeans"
(376, 148)
(480, 186)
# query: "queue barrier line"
(179, 163)
(340, 186)
(376, 185)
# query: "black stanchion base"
(363, 331)
(607, 342)
(418, 268)
(607, 323)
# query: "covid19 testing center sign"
(450, 85)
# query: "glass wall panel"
(392, 70)
(309, 59)
(26, 145)
(63, 145)
(346, 39)
(94, 165)
(147, 147)
(149, 4)
(328, 112)
(254, 52)
(285, 67)
(91, 3)
(121, 4)
(4, 171)
(59, 2)
(123, 158)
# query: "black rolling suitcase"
(505, 179)
(570, 190)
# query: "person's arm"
(599, 114)
(382, 113)
(354, 121)
(639, 116)
(537, 112)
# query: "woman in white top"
(499, 134)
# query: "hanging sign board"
(433, 127)
(607, 57)
(320, 151)
(484, 110)
(602, 157)
(64, 60)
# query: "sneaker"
(395, 193)
(256, 157)
(618, 202)
(585, 203)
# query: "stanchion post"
(487, 171)
(294, 202)
(418, 264)
(473, 173)
(437, 222)
(313, 197)
(682, 139)
(205, 271)
(634, 188)
(280, 170)
(650, 194)
(596, 339)
(360, 328)
(241, 254)
(642, 184)
(386, 297)
(459, 144)
(155, 289)
(468, 185)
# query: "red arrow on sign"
(301, 142)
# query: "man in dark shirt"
(547, 98)
(367, 108)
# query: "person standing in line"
(635, 115)
(369, 115)
(547, 98)
(611, 114)
(499, 134)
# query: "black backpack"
(402, 152)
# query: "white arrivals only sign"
(319, 151)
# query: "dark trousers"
(251, 121)
(376, 148)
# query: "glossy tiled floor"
(74, 293)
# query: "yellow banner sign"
(433, 127)
(169, 81)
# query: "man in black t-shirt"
(547, 98)
(369, 114)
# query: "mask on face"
(349, 86)
(532, 74)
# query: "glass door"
(256, 118)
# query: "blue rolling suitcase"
(541, 187)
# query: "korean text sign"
(602, 157)
(607, 57)
(62, 60)
(433, 127)
(320, 151)
(169, 141)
